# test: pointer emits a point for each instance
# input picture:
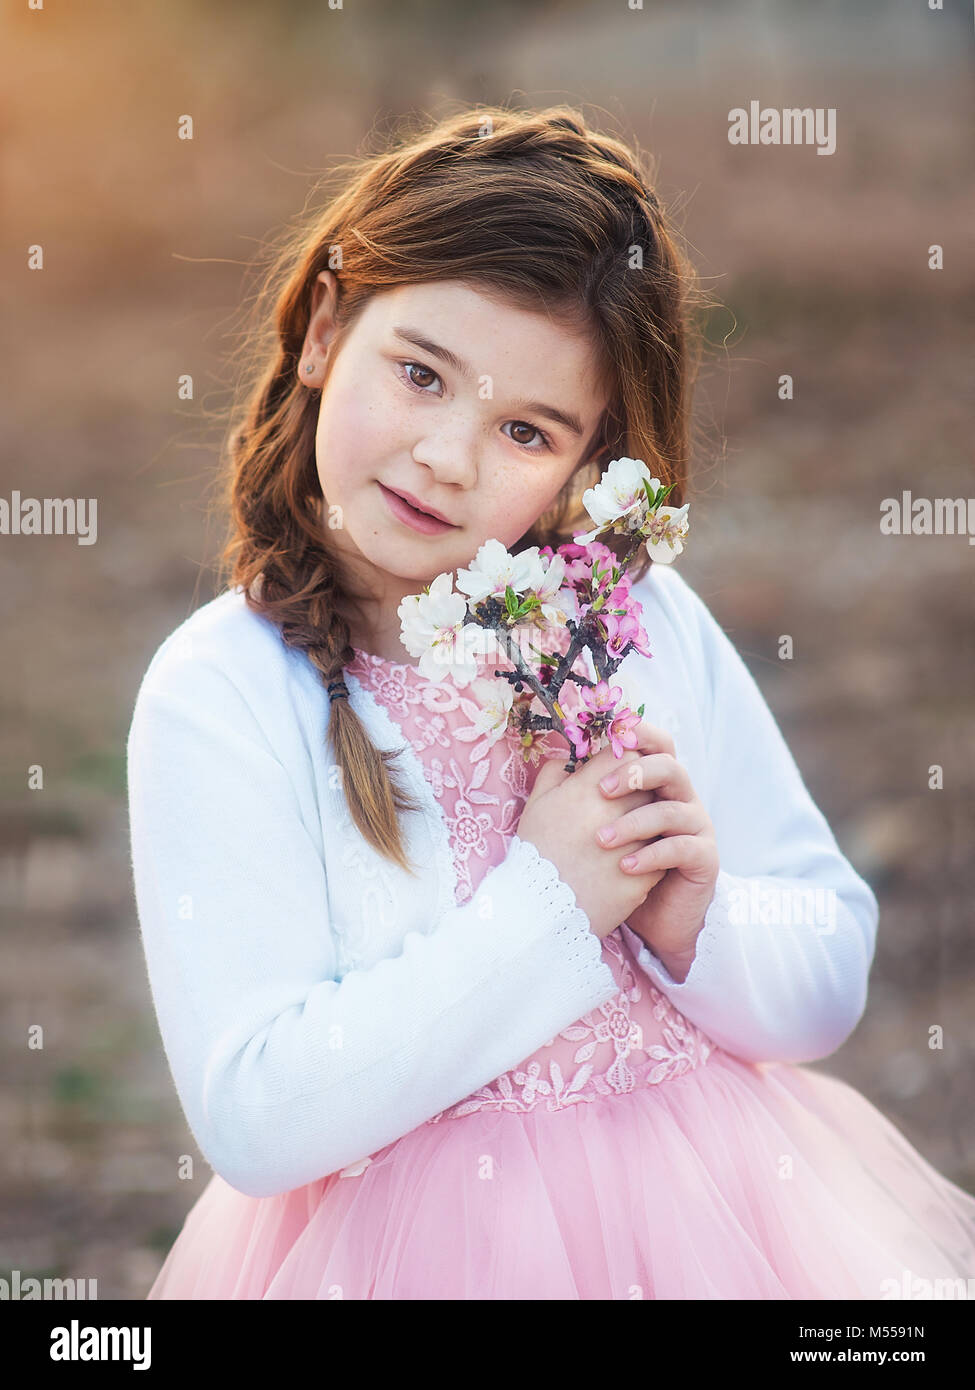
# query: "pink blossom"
(640, 641)
(619, 597)
(578, 572)
(620, 632)
(579, 561)
(571, 551)
(579, 734)
(622, 731)
(601, 697)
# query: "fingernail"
(607, 835)
(629, 861)
(609, 784)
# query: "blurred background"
(821, 268)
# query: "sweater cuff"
(761, 992)
(704, 967)
(548, 902)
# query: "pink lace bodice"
(635, 1039)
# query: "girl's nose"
(451, 459)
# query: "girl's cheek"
(350, 435)
(532, 502)
(380, 420)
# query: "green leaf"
(640, 710)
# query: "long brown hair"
(533, 206)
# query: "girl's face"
(470, 407)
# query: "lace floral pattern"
(483, 796)
(635, 1039)
(613, 1054)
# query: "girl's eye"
(524, 425)
(417, 386)
(406, 371)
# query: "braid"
(304, 604)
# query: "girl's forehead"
(474, 299)
(464, 317)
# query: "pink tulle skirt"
(733, 1181)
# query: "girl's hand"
(561, 817)
(671, 916)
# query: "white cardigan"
(316, 1003)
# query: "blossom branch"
(506, 590)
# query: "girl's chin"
(387, 553)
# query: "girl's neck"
(371, 608)
(389, 649)
(382, 639)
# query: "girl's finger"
(550, 774)
(652, 819)
(660, 772)
(605, 763)
(649, 739)
(693, 854)
(652, 739)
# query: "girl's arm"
(781, 964)
(285, 1073)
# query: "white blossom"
(619, 495)
(494, 570)
(666, 532)
(435, 629)
(495, 698)
(557, 602)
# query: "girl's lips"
(418, 521)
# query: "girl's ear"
(321, 324)
(326, 286)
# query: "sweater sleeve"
(781, 964)
(286, 1073)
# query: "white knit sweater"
(316, 1003)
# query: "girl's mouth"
(411, 516)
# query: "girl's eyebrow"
(551, 412)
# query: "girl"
(438, 1033)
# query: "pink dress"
(629, 1157)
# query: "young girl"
(434, 1031)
